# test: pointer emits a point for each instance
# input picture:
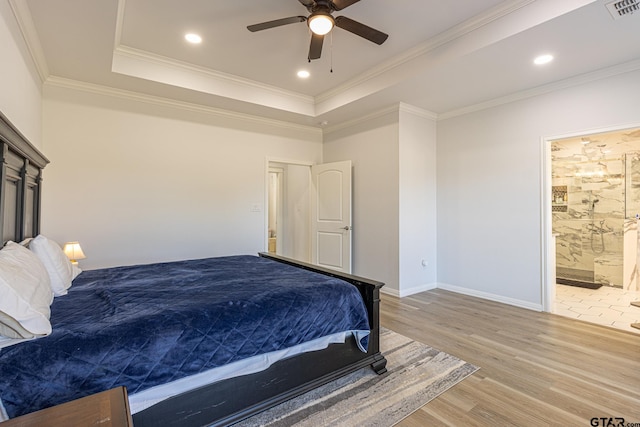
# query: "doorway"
(308, 215)
(592, 203)
(275, 209)
(288, 209)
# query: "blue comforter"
(140, 326)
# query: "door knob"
(347, 227)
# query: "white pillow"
(11, 328)
(25, 292)
(61, 271)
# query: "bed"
(206, 390)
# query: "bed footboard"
(369, 289)
(232, 400)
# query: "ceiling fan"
(321, 22)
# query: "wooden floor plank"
(535, 368)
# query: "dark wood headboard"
(20, 184)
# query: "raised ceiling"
(441, 56)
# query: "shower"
(596, 230)
(595, 205)
(592, 199)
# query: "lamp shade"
(73, 251)
(320, 23)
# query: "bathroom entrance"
(595, 204)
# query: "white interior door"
(331, 215)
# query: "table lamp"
(73, 251)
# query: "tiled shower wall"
(600, 176)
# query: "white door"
(331, 215)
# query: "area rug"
(416, 374)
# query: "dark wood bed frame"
(20, 184)
(224, 402)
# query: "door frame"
(548, 240)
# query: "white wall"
(489, 184)
(20, 86)
(138, 182)
(394, 194)
(417, 199)
(372, 146)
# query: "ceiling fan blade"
(276, 23)
(371, 34)
(315, 49)
(342, 4)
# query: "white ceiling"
(442, 56)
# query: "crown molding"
(570, 82)
(61, 82)
(213, 74)
(441, 39)
(30, 36)
(307, 104)
(395, 108)
(372, 116)
(416, 111)
(503, 21)
(147, 65)
(137, 63)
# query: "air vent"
(620, 8)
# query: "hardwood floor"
(536, 369)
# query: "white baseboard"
(461, 290)
(389, 291)
(489, 296)
(410, 291)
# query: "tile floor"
(606, 306)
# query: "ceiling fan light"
(320, 23)
(193, 38)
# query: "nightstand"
(106, 409)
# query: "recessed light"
(193, 38)
(303, 74)
(543, 59)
